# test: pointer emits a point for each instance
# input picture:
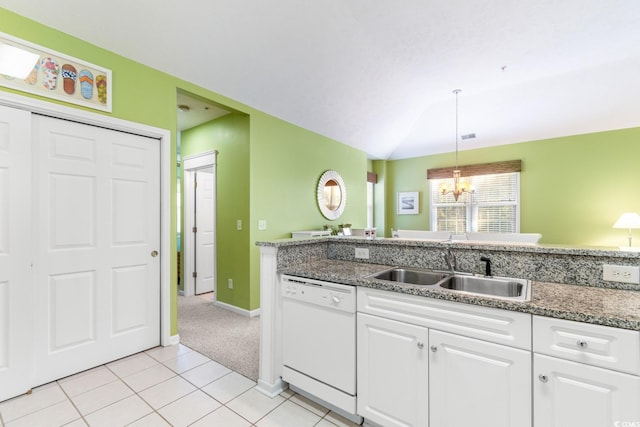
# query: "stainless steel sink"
(500, 287)
(494, 287)
(413, 276)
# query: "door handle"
(154, 253)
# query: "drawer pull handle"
(582, 344)
(434, 348)
(420, 345)
(543, 378)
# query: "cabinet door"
(476, 383)
(569, 393)
(392, 372)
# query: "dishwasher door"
(319, 332)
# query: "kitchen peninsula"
(567, 286)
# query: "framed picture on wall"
(35, 69)
(408, 203)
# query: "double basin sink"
(488, 286)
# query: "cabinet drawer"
(489, 324)
(595, 345)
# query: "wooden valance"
(477, 169)
(372, 177)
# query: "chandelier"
(459, 186)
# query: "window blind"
(492, 207)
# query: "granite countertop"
(608, 307)
(460, 244)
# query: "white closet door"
(205, 237)
(16, 293)
(96, 198)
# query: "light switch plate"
(262, 224)
(621, 273)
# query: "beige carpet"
(230, 339)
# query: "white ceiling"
(193, 111)
(379, 74)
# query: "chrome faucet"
(450, 258)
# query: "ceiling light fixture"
(459, 186)
(184, 108)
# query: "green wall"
(284, 161)
(229, 135)
(572, 189)
(286, 164)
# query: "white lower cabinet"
(409, 375)
(477, 383)
(569, 393)
(597, 386)
(424, 362)
(393, 367)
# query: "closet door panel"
(97, 207)
(16, 289)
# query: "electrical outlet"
(362, 253)
(621, 273)
(239, 225)
(230, 283)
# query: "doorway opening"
(192, 111)
(199, 246)
(211, 323)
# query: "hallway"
(229, 338)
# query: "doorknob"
(154, 253)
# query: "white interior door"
(205, 237)
(16, 288)
(199, 248)
(96, 200)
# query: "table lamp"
(628, 220)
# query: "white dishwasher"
(319, 340)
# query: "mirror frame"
(326, 177)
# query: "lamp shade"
(628, 220)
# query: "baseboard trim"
(242, 311)
(173, 340)
(271, 390)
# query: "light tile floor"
(164, 386)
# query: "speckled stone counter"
(543, 263)
(567, 282)
(609, 307)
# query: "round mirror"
(332, 195)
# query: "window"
(493, 207)
(372, 179)
(369, 204)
